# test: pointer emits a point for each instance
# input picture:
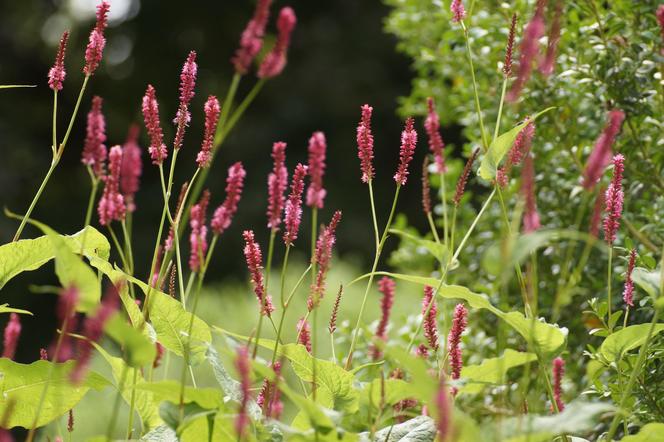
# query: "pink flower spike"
(223, 216)
(132, 167)
(243, 367)
(387, 287)
(112, 204)
(628, 292)
(96, 41)
(596, 216)
(277, 182)
(522, 143)
(436, 143)
(531, 219)
(600, 157)
(198, 235)
(613, 200)
(254, 258)
(463, 178)
(558, 373)
(251, 41)
(304, 334)
(507, 65)
(212, 111)
(444, 415)
(157, 148)
(429, 318)
(293, 210)
(408, 143)
(459, 323)
(529, 49)
(458, 11)
(547, 64)
(275, 61)
(12, 333)
(317, 147)
(269, 397)
(43, 354)
(57, 74)
(94, 150)
(187, 84)
(322, 257)
(365, 142)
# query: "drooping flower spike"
(365, 142)
(223, 216)
(243, 367)
(558, 373)
(132, 167)
(254, 258)
(11, 335)
(628, 292)
(429, 310)
(187, 85)
(322, 257)
(463, 178)
(600, 157)
(529, 50)
(57, 74)
(150, 106)
(458, 11)
(96, 41)
(436, 143)
(459, 323)
(317, 150)
(275, 60)
(94, 149)
(112, 204)
(212, 111)
(408, 143)
(198, 235)
(293, 209)
(613, 200)
(277, 182)
(509, 49)
(251, 41)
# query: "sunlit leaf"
(137, 349)
(4, 308)
(492, 370)
(617, 344)
(652, 432)
(209, 398)
(648, 280)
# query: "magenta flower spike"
(547, 64)
(509, 49)
(529, 49)
(558, 373)
(459, 323)
(96, 41)
(365, 142)
(458, 11)
(251, 40)
(11, 335)
(304, 334)
(277, 182)
(187, 85)
(600, 157)
(275, 61)
(408, 143)
(132, 168)
(444, 415)
(596, 216)
(293, 210)
(628, 292)
(322, 257)
(269, 397)
(463, 178)
(198, 236)
(426, 187)
(157, 149)
(317, 149)
(332, 327)
(57, 74)
(613, 200)
(223, 216)
(243, 367)
(436, 143)
(212, 111)
(94, 150)
(387, 287)
(429, 318)
(531, 218)
(112, 204)
(254, 258)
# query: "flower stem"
(132, 405)
(268, 270)
(443, 199)
(608, 288)
(478, 108)
(116, 403)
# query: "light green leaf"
(12, 86)
(396, 390)
(648, 280)
(437, 250)
(492, 370)
(209, 398)
(22, 385)
(617, 344)
(162, 433)
(418, 429)
(499, 148)
(137, 348)
(422, 384)
(652, 432)
(4, 308)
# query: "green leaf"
(648, 280)
(499, 148)
(437, 250)
(4, 308)
(137, 348)
(422, 383)
(396, 390)
(492, 370)
(162, 433)
(12, 86)
(418, 429)
(22, 385)
(652, 432)
(617, 344)
(209, 398)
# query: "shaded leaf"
(5, 308)
(652, 432)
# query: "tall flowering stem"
(600, 157)
(628, 291)
(459, 323)
(613, 200)
(436, 146)
(558, 371)
(386, 286)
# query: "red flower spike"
(251, 41)
(459, 323)
(212, 111)
(600, 157)
(243, 367)
(507, 65)
(613, 200)
(558, 373)
(276, 185)
(531, 219)
(317, 147)
(628, 292)
(157, 149)
(223, 216)
(96, 41)
(275, 61)
(198, 235)
(132, 167)
(293, 210)
(94, 150)
(429, 318)
(365, 142)
(322, 257)
(304, 334)
(187, 84)
(547, 64)
(436, 143)
(112, 204)
(444, 415)
(11, 335)
(408, 143)
(463, 178)
(57, 74)
(254, 258)
(529, 50)
(458, 11)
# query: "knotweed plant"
(446, 358)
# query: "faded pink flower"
(132, 167)
(157, 149)
(212, 111)
(459, 323)
(275, 61)
(159, 354)
(269, 397)
(251, 41)
(322, 257)
(444, 415)
(408, 143)
(458, 11)
(429, 310)
(628, 292)
(254, 258)
(507, 65)
(596, 216)
(387, 287)
(365, 142)
(547, 64)
(293, 210)
(243, 367)
(94, 150)
(96, 41)
(529, 49)
(317, 147)
(558, 373)
(57, 74)
(112, 204)
(436, 143)
(67, 320)
(426, 187)
(600, 157)
(304, 334)
(198, 235)
(422, 351)
(11, 335)
(531, 219)
(463, 178)
(223, 216)
(613, 200)
(276, 185)
(187, 84)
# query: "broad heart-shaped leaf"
(617, 344)
(652, 432)
(5, 308)
(329, 375)
(209, 398)
(499, 148)
(546, 338)
(144, 401)
(492, 370)
(22, 385)
(137, 348)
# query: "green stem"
(226, 107)
(132, 405)
(443, 199)
(116, 243)
(128, 250)
(478, 108)
(116, 404)
(500, 108)
(73, 116)
(54, 147)
(432, 226)
(608, 288)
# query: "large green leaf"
(499, 148)
(546, 338)
(423, 384)
(22, 385)
(652, 432)
(395, 390)
(137, 348)
(617, 344)
(209, 398)
(648, 280)
(5, 308)
(492, 370)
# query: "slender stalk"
(500, 108)
(432, 226)
(116, 404)
(608, 288)
(268, 270)
(54, 147)
(116, 243)
(73, 116)
(478, 108)
(443, 199)
(132, 405)
(334, 356)
(284, 268)
(373, 213)
(128, 250)
(241, 108)
(226, 108)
